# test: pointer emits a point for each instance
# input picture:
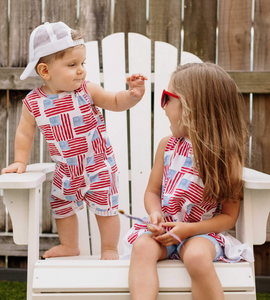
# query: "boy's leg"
(143, 276)
(109, 228)
(198, 254)
(68, 231)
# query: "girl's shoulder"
(162, 145)
(173, 143)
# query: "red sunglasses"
(165, 97)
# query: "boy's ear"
(43, 71)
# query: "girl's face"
(173, 110)
(68, 73)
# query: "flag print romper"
(181, 201)
(85, 164)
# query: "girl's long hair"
(213, 111)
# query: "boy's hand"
(17, 167)
(136, 86)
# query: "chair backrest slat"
(165, 64)
(92, 62)
(113, 52)
(140, 122)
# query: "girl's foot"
(61, 250)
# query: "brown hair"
(75, 35)
(212, 110)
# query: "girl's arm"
(222, 222)
(121, 100)
(152, 196)
(23, 142)
(219, 223)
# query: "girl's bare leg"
(68, 231)
(198, 254)
(143, 276)
(109, 228)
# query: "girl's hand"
(156, 218)
(136, 86)
(178, 228)
(17, 167)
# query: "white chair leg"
(33, 236)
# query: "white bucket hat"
(47, 39)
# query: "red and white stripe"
(53, 150)
(47, 132)
(90, 123)
(76, 171)
(58, 179)
(63, 132)
(85, 108)
(99, 145)
(98, 197)
(61, 105)
(172, 183)
(32, 104)
(75, 184)
(103, 183)
(98, 165)
(77, 146)
(114, 184)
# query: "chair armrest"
(47, 168)
(19, 190)
(35, 175)
(255, 180)
(27, 180)
(252, 221)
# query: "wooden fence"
(233, 33)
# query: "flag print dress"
(85, 164)
(181, 201)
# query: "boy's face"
(68, 73)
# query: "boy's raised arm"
(23, 143)
(121, 100)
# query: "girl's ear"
(43, 71)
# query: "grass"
(12, 290)
(17, 291)
(263, 296)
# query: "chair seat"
(126, 296)
(88, 274)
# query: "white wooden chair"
(85, 276)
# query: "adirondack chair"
(85, 276)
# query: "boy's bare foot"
(61, 250)
(109, 254)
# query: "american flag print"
(54, 105)
(85, 123)
(182, 191)
(61, 127)
(86, 170)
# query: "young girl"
(195, 187)
(64, 109)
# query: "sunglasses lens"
(165, 99)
